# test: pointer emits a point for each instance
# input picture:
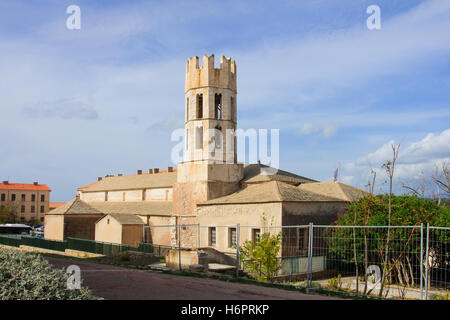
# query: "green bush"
(27, 276)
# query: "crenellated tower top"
(208, 76)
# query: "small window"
(187, 109)
(143, 195)
(106, 196)
(256, 235)
(199, 106)
(42, 219)
(218, 106)
(32, 209)
(23, 197)
(33, 197)
(13, 197)
(218, 137)
(42, 197)
(199, 138)
(22, 209)
(233, 110)
(42, 209)
(3, 197)
(232, 237)
(22, 219)
(107, 221)
(212, 236)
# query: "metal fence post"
(238, 231)
(179, 247)
(421, 261)
(198, 236)
(427, 262)
(310, 249)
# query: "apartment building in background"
(30, 200)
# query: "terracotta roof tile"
(24, 186)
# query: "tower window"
(199, 138)
(187, 109)
(199, 106)
(233, 109)
(218, 106)
(218, 137)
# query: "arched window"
(199, 106)
(218, 106)
(218, 137)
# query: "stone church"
(209, 187)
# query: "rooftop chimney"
(5, 182)
(99, 178)
(156, 170)
(139, 172)
(35, 183)
(119, 175)
(169, 169)
(150, 171)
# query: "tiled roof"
(136, 181)
(257, 173)
(334, 189)
(124, 218)
(77, 206)
(272, 191)
(24, 186)
(54, 205)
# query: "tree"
(403, 263)
(8, 213)
(260, 258)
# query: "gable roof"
(124, 218)
(144, 208)
(133, 181)
(257, 173)
(334, 189)
(272, 191)
(75, 206)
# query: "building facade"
(30, 202)
(208, 188)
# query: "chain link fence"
(389, 262)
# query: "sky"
(105, 98)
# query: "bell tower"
(209, 168)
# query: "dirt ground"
(116, 283)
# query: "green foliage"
(406, 211)
(260, 258)
(27, 276)
(445, 296)
(404, 243)
(335, 283)
(8, 213)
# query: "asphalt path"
(117, 283)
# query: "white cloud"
(415, 160)
(326, 130)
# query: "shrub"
(27, 276)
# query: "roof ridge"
(280, 196)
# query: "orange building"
(29, 200)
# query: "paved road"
(111, 282)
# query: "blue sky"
(78, 104)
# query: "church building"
(208, 188)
